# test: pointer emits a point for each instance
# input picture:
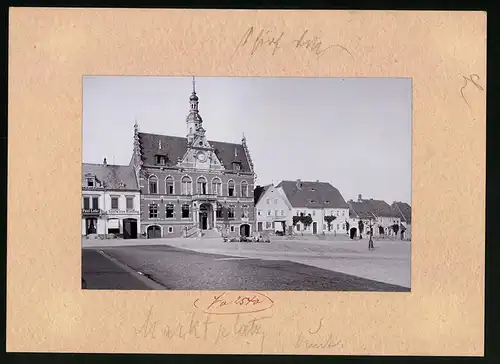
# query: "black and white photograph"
(246, 183)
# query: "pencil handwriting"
(267, 40)
(316, 338)
(474, 79)
(204, 327)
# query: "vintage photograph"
(246, 183)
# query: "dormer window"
(121, 184)
(313, 189)
(327, 201)
(312, 201)
(236, 166)
(161, 160)
(90, 182)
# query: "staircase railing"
(222, 230)
(191, 231)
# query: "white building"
(272, 209)
(277, 205)
(110, 200)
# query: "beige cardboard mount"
(444, 53)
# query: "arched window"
(169, 185)
(216, 186)
(244, 211)
(244, 189)
(230, 212)
(186, 185)
(185, 211)
(230, 188)
(153, 184)
(169, 213)
(201, 187)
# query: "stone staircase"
(192, 232)
(212, 233)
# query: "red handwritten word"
(226, 304)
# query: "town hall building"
(192, 186)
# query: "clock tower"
(200, 154)
(193, 120)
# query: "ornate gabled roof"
(312, 194)
(175, 148)
(113, 177)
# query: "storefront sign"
(91, 211)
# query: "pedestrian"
(370, 242)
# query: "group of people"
(258, 238)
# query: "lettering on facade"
(91, 211)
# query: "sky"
(352, 132)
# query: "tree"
(295, 220)
(306, 220)
(361, 227)
(347, 226)
(329, 220)
(395, 228)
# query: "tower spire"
(194, 121)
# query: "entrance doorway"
(283, 226)
(205, 217)
(352, 233)
(245, 230)
(154, 232)
(315, 227)
(91, 225)
(130, 229)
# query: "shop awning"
(113, 224)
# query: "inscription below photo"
(289, 184)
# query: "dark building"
(191, 185)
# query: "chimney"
(299, 183)
(105, 162)
(360, 197)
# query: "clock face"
(201, 157)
